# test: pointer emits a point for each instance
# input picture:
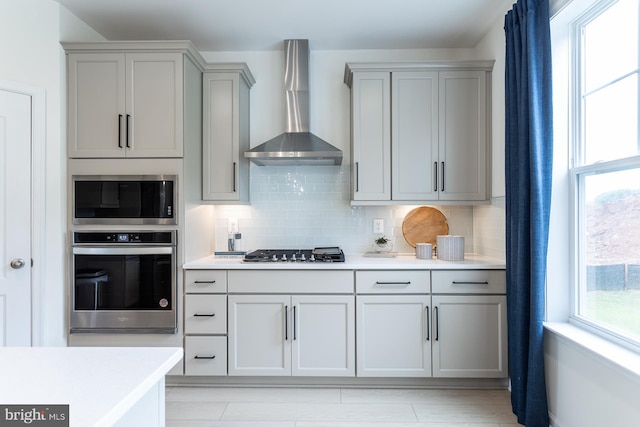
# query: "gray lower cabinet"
(397, 323)
(280, 334)
(469, 319)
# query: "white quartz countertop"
(352, 262)
(100, 384)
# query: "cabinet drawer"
(291, 281)
(469, 282)
(205, 356)
(205, 314)
(205, 281)
(392, 282)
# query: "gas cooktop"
(324, 254)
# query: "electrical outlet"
(232, 225)
(378, 226)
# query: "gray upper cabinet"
(420, 132)
(128, 99)
(225, 137)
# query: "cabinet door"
(469, 336)
(462, 135)
(154, 104)
(96, 105)
(371, 138)
(259, 335)
(393, 336)
(323, 336)
(414, 118)
(225, 137)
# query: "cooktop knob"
(312, 258)
(293, 258)
(274, 258)
(303, 258)
(284, 257)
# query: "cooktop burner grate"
(323, 254)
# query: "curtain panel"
(528, 171)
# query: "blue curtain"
(528, 163)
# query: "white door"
(323, 335)
(15, 220)
(259, 335)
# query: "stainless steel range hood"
(297, 146)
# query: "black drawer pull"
(204, 357)
(470, 283)
(394, 283)
(204, 315)
(211, 282)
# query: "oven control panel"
(124, 238)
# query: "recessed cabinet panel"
(155, 104)
(463, 135)
(96, 90)
(225, 170)
(469, 281)
(393, 336)
(323, 336)
(259, 341)
(371, 167)
(469, 336)
(393, 282)
(414, 118)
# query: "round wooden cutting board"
(423, 225)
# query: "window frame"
(578, 170)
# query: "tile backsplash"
(308, 206)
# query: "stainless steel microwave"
(124, 199)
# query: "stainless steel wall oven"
(124, 199)
(123, 282)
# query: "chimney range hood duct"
(297, 146)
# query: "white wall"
(30, 31)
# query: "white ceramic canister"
(424, 250)
(450, 248)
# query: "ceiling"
(257, 25)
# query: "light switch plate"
(378, 225)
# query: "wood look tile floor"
(336, 407)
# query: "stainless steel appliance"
(323, 254)
(123, 282)
(124, 199)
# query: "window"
(605, 169)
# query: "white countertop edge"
(138, 392)
(100, 384)
(353, 262)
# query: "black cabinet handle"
(205, 281)
(286, 322)
(435, 176)
(294, 322)
(127, 136)
(204, 315)
(204, 357)
(427, 320)
(234, 177)
(470, 283)
(119, 130)
(442, 171)
(437, 323)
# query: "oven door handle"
(145, 250)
